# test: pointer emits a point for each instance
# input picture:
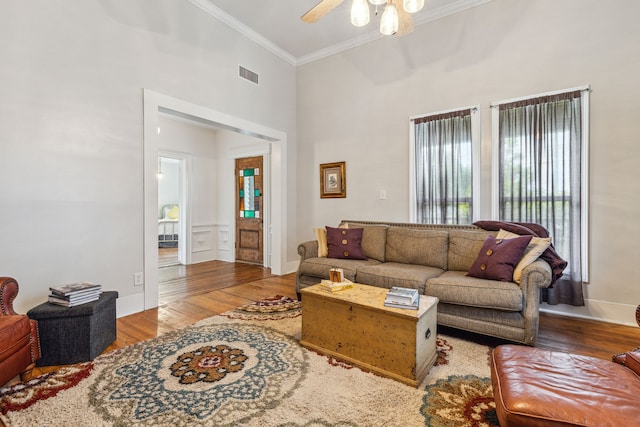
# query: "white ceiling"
(276, 24)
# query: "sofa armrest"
(308, 250)
(8, 292)
(535, 276)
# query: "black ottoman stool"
(75, 334)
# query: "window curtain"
(540, 179)
(444, 168)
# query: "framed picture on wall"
(333, 180)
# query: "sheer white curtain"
(443, 156)
(541, 177)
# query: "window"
(540, 169)
(444, 165)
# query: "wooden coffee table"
(354, 325)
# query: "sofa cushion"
(534, 249)
(319, 267)
(321, 237)
(345, 243)
(455, 287)
(464, 247)
(498, 258)
(419, 247)
(509, 325)
(374, 239)
(391, 274)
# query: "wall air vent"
(248, 75)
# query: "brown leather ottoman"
(535, 387)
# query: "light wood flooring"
(191, 293)
(167, 257)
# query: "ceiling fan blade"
(320, 9)
(405, 20)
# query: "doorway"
(171, 211)
(155, 104)
(249, 210)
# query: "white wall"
(71, 127)
(355, 107)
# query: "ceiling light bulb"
(359, 13)
(389, 20)
(377, 2)
(412, 6)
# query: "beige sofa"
(435, 260)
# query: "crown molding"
(340, 47)
(227, 19)
(431, 15)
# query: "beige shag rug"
(247, 368)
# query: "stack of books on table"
(336, 286)
(402, 298)
(74, 294)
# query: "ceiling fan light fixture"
(412, 6)
(359, 13)
(389, 20)
(377, 2)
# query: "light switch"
(383, 194)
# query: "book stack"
(74, 294)
(402, 298)
(336, 286)
(336, 281)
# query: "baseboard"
(130, 304)
(603, 311)
(291, 266)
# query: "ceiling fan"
(396, 17)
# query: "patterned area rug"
(246, 368)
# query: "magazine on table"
(410, 307)
(71, 303)
(402, 296)
(79, 297)
(74, 288)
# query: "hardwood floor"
(191, 293)
(178, 281)
(167, 256)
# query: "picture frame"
(333, 180)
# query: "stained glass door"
(249, 213)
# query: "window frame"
(585, 173)
(475, 160)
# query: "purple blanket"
(550, 255)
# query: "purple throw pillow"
(498, 257)
(345, 243)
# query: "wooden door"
(249, 210)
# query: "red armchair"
(19, 341)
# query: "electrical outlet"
(138, 279)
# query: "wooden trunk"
(354, 325)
